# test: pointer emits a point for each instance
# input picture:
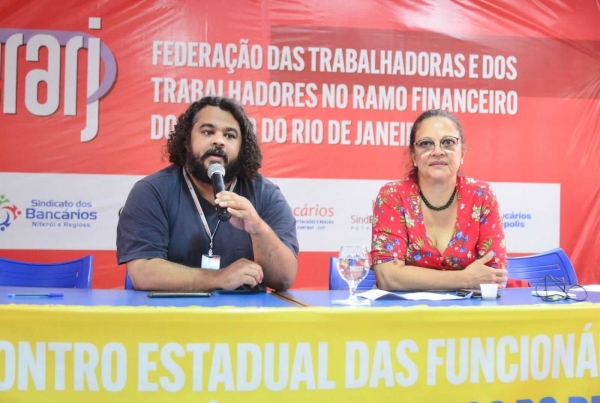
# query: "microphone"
(216, 173)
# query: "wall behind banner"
(90, 90)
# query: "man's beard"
(195, 165)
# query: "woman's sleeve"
(491, 230)
(389, 241)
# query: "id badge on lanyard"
(210, 261)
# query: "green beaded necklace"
(444, 207)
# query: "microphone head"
(216, 168)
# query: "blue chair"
(337, 283)
(128, 283)
(72, 274)
(535, 267)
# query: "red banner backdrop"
(92, 88)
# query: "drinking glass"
(353, 265)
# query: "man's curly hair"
(179, 142)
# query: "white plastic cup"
(489, 292)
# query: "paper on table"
(591, 287)
(542, 293)
(412, 296)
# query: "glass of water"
(353, 265)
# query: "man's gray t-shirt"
(160, 220)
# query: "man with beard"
(169, 232)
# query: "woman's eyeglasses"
(541, 290)
(448, 143)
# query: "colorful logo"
(8, 213)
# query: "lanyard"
(199, 208)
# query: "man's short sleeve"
(276, 212)
(143, 230)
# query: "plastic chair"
(128, 282)
(336, 282)
(535, 267)
(72, 274)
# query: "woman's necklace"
(444, 207)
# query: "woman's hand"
(478, 273)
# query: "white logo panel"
(531, 213)
(335, 212)
(331, 213)
(81, 212)
(61, 211)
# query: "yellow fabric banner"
(457, 355)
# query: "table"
(98, 297)
(116, 345)
(508, 297)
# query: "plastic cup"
(489, 292)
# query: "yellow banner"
(457, 355)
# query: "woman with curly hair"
(171, 235)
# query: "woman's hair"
(432, 113)
(250, 157)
